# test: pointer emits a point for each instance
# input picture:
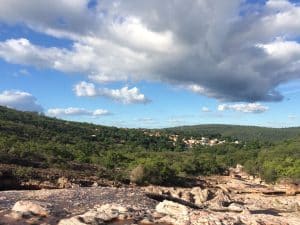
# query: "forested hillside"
(242, 133)
(31, 136)
(33, 140)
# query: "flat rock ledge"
(164, 213)
(220, 200)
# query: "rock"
(246, 212)
(210, 218)
(257, 180)
(122, 217)
(171, 220)
(234, 207)
(63, 182)
(71, 221)
(110, 208)
(239, 168)
(146, 221)
(172, 209)
(291, 190)
(99, 215)
(31, 208)
(157, 215)
(47, 185)
(95, 184)
(221, 199)
(15, 215)
(200, 196)
(186, 196)
(176, 193)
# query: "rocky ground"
(235, 199)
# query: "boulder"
(172, 209)
(32, 208)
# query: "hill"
(37, 135)
(31, 145)
(242, 133)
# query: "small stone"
(234, 207)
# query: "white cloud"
(232, 57)
(19, 100)
(285, 50)
(133, 32)
(245, 108)
(195, 88)
(123, 95)
(60, 112)
(205, 109)
(85, 89)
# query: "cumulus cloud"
(236, 56)
(123, 95)
(19, 100)
(76, 112)
(245, 108)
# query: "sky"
(153, 64)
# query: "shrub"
(269, 175)
(137, 175)
(153, 171)
(23, 172)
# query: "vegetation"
(235, 132)
(37, 141)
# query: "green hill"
(242, 133)
(34, 136)
(31, 140)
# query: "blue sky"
(140, 71)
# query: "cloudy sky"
(134, 63)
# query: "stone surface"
(224, 200)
